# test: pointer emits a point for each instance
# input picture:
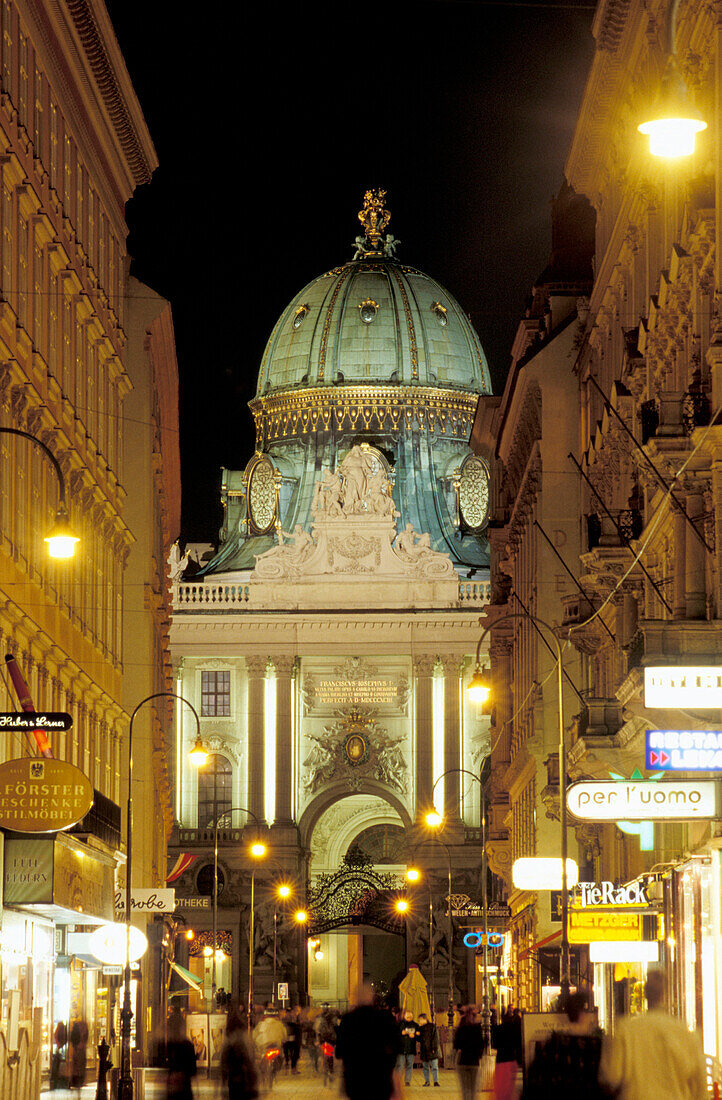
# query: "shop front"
(52, 886)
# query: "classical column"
(452, 736)
(256, 672)
(423, 754)
(696, 594)
(680, 567)
(284, 745)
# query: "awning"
(186, 976)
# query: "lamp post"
(284, 892)
(125, 1080)
(413, 874)
(479, 691)
(433, 820)
(61, 541)
(675, 122)
(199, 756)
(485, 1010)
(301, 918)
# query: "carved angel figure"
(391, 765)
(361, 248)
(319, 765)
(176, 563)
(391, 244)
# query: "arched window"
(214, 790)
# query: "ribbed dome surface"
(374, 320)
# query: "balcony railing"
(215, 595)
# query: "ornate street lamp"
(61, 541)
(564, 979)
(675, 122)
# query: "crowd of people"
(375, 1051)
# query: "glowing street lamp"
(402, 905)
(199, 753)
(61, 541)
(434, 819)
(676, 121)
(413, 874)
(479, 686)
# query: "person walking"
(181, 1057)
(567, 1064)
(238, 1066)
(430, 1049)
(368, 1043)
(655, 1054)
(326, 1035)
(77, 1054)
(469, 1046)
(506, 1040)
(409, 1039)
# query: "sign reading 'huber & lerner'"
(42, 796)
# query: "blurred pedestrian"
(368, 1043)
(181, 1056)
(655, 1054)
(309, 1038)
(469, 1046)
(326, 1037)
(58, 1063)
(238, 1065)
(409, 1039)
(429, 1049)
(77, 1054)
(506, 1040)
(567, 1064)
(292, 1046)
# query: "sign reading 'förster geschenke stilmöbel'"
(42, 796)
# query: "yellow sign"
(594, 924)
(42, 796)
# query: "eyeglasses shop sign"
(38, 795)
(645, 801)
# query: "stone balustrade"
(189, 595)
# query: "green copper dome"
(373, 320)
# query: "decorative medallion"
(262, 496)
(440, 312)
(368, 310)
(474, 493)
(356, 749)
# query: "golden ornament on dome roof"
(374, 217)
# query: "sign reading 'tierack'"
(42, 796)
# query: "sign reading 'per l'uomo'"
(42, 796)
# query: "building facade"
(74, 147)
(638, 495)
(327, 645)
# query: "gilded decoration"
(353, 748)
(374, 218)
(363, 408)
(262, 496)
(474, 493)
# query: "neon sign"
(684, 750)
(477, 938)
(646, 801)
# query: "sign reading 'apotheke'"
(642, 801)
(42, 796)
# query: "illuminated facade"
(74, 147)
(630, 574)
(327, 644)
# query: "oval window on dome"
(440, 313)
(262, 497)
(474, 493)
(300, 316)
(368, 310)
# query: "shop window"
(216, 694)
(214, 790)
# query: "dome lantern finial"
(374, 217)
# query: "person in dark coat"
(181, 1057)
(368, 1043)
(567, 1064)
(430, 1049)
(78, 1054)
(238, 1066)
(506, 1040)
(469, 1046)
(409, 1039)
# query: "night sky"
(271, 121)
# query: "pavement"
(305, 1084)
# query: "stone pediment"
(354, 545)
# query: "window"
(474, 493)
(214, 790)
(216, 694)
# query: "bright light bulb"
(318, 954)
(208, 951)
(198, 754)
(672, 137)
(301, 916)
(402, 905)
(190, 934)
(258, 850)
(413, 874)
(434, 819)
(479, 688)
(284, 891)
(61, 541)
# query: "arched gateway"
(327, 643)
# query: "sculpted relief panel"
(355, 726)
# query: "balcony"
(182, 837)
(211, 596)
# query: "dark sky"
(270, 121)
